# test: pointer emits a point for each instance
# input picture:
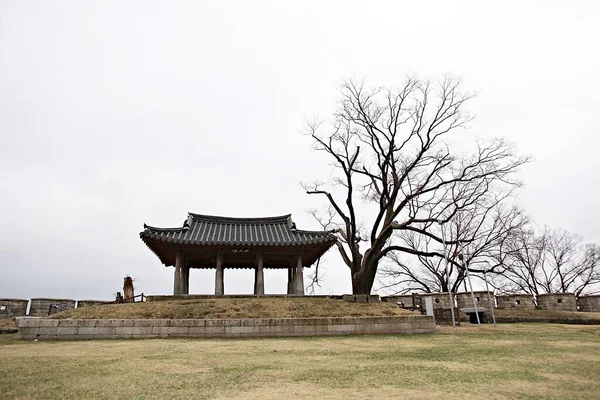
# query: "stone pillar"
(290, 286)
(299, 277)
(219, 284)
(259, 280)
(177, 278)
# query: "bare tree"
(484, 228)
(390, 150)
(551, 261)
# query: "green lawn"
(509, 361)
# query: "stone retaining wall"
(40, 307)
(589, 303)
(12, 308)
(222, 328)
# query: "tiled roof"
(206, 230)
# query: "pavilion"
(206, 241)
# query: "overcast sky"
(118, 113)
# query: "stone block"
(197, 331)
(48, 330)
(133, 330)
(66, 330)
(313, 329)
(373, 298)
(165, 331)
(87, 323)
(150, 322)
(28, 321)
(241, 330)
(98, 330)
(214, 322)
(349, 297)
(362, 298)
(214, 330)
(275, 330)
(68, 322)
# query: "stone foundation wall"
(557, 301)
(89, 303)
(40, 307)
(589, 303)
(12, 308)
(440, 300)
(219, 328)
(482, 299)
(515, 302)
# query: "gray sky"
(116, 113)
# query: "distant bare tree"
(484, 228)
(389, 149)
(551, 261)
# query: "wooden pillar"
(219, 284)
(259, 279)
(290, 287)
(178, 273)
(185, 279)
(299, 277)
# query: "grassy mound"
(235, 308)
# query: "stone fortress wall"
(515, 302)
(589, 303)
(12, 308)
(557, 301)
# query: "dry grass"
(236, 308)
(7, 323)
(509, 361)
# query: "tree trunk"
(362, 281)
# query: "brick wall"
(11, 308)
(212, 328)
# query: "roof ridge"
(216, 218)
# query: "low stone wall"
(40, 307)
(12, 308)
(589, 303)
(515, 302)
(222, 328)
(90, 303)
(405, 300)
(557, 301)
(482, 299)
